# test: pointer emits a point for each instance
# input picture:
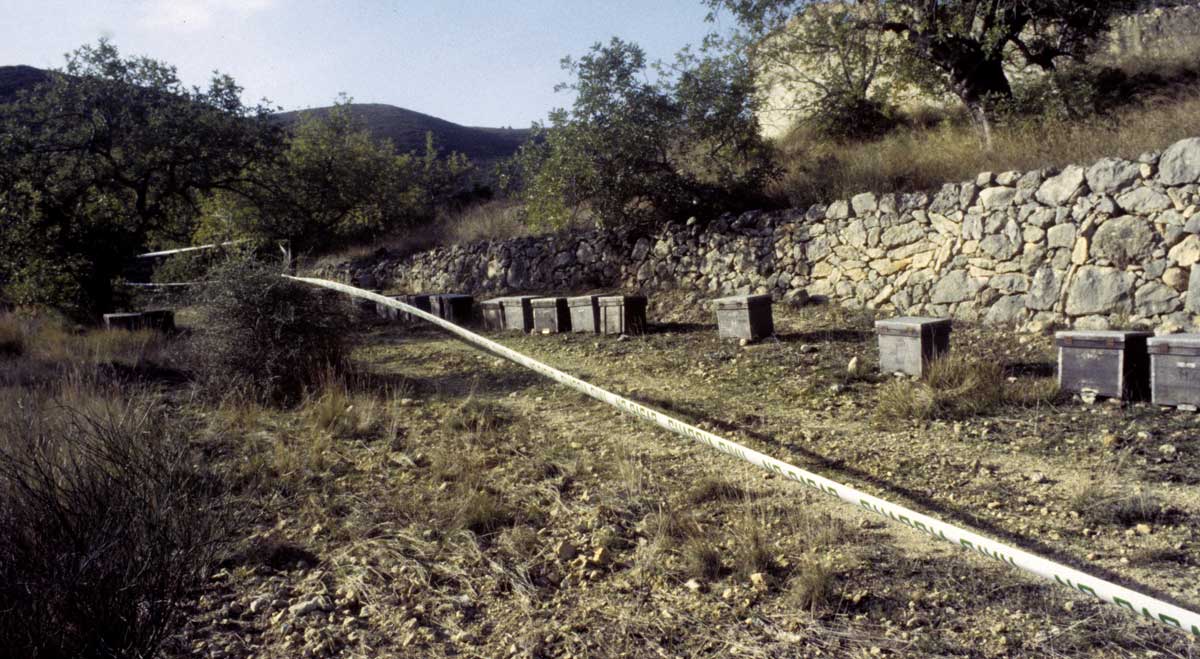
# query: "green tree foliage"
(108, 156)
(961, 46)
(634, 149)
(335, 184)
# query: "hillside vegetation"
(407, 129)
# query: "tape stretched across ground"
(1133, 601)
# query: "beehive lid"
(546, 302)
(582, 301)
(452, 296)
(910, 325)
(518, 299)
(1174, 344)
(1101, 339)
(620, 300)
(741, 301)
(496, 301)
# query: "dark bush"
(850, 116)
(264, 336)
(105, 528)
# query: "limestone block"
(1144, 201)
(1186, 253)
(1097, 290)
(1123, 240)
(1058, 190)
(1112, 175)
(1180, 163)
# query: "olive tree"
(107, 156)
(961, 45)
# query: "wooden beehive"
(493, 313)
(551, 315)
(585, 314)
(419, 300)
(1175, 370)
(908, 345)
(162, 320)
(453, 307)
(623, 314)
(1112, 364)
(518, 313)
(744, 317)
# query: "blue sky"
(492, 63)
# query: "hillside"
(405, 128)
(15, 78)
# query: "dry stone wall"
(1112, 243)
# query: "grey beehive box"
(744, 317)
(1112, 364)
(909, 344)
(453, 307)
(551, 314)
(585, 314)
(1175, 370)
(493, 313)
(518, 312)
(623, 314)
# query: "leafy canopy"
(108, 155)
(639, 147)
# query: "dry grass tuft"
(701, 560)
(818, 170)
(714, 489)
(956, 387)
(749, 549)
(1100, 505)
(812, 584)
(495, 220)
(478, 417)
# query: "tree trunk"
(981, 83)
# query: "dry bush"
(495, 220)
(106, 527)
(12, 336)
(955, 387)
(265, 337)
(818, 170)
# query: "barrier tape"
(1133, 601)
(186, 250)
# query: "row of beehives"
(592, 314)
(1125, 365)
(1122, 365)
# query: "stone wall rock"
(1114, 242)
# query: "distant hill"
(15, 78)
(405, 128)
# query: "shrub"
(269, 338)
(849, 116)
(105, 528)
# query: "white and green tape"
(1136, 603)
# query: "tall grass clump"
(956, 386)
(265, 337)
(106, 528)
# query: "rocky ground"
(449, 503)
